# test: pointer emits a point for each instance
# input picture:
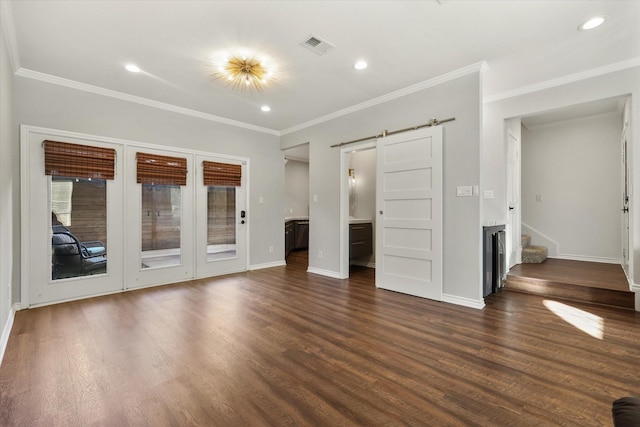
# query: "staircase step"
(534, 254)
(525, 240)
(569, 291)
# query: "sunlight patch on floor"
(583, 320)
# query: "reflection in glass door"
(221, 223)
(160, 228)
(78, 227)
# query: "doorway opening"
(296, 207)
(358, 207)
(572, 194)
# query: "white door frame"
(344, 203)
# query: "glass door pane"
(78, 227)
(221, 223)
(160, 225)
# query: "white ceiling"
(404, 42)
(588, 109)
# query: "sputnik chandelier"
(245, 73)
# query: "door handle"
(511, 208)
(625, 209)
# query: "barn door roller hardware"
(385, 133)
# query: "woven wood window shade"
(221, 174)
(161, 170)
(78, 161)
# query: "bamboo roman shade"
(161, 170)
(78, 161)
(221, 174)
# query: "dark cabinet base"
(360, 240)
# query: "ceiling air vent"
(317, 45)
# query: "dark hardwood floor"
(593, 282)
(280, 346)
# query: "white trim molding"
(267, 265)
(461, 72)
(328, 273)
(48, 78)
(465, 302)
(6, 332)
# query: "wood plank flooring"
(593, 282)
(588, 274)
(280, 346)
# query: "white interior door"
(221, 223)
(88, 215)
(513, 194)
(409, 224)
(625, 203)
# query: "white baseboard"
(466, 302)
(328, 273)
(4, 340)
(587, 258)
(267, 265)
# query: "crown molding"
(9, 31)
(570, 78)
(48, 78)
(474, 68)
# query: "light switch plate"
(464, 191)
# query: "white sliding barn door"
(409, 224)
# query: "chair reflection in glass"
(72, 258)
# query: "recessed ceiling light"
(592, 23)
(360, 65)
(133, 68)
(265, 108)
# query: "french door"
(71, 226)
(158, 222)
(409, 224)
(221, 220)
(86, 236)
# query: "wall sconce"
(352, 175)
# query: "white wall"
(459, 97)
(296, 188)
(575, 166)
(8, 169)
(56, 107)
(617, 83)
